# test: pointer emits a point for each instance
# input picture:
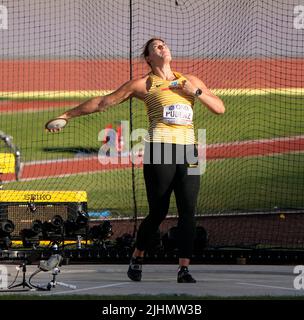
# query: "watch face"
(198, 92)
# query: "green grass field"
(246, 118)
(229, 184)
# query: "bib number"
(181, 114)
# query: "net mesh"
(57, 54)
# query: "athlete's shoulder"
(190, 76)
(139, 86)
(195, 81)
(138, 81)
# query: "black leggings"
(161, 179)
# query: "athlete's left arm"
(211, 101)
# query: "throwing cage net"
(56, 54)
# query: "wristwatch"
(198, 92)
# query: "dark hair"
(145, 51)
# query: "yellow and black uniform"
(170, 111)
(170, 140)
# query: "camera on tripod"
(6, 228)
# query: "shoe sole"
(131, 277)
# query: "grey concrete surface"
(212, 280)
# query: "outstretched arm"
(99, 104)
(211, 101)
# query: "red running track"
(35, 75)
(66, 167)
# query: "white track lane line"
(88, 289)
(265, 286)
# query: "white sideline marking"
(91, 288)
(78, 271)
(265, 286)
(63, 94)
(255, 141)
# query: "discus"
(56, 124)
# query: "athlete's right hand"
(56, 125)
(188, 87)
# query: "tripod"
(24, 283)
(53, 282)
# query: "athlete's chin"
(167, 59)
